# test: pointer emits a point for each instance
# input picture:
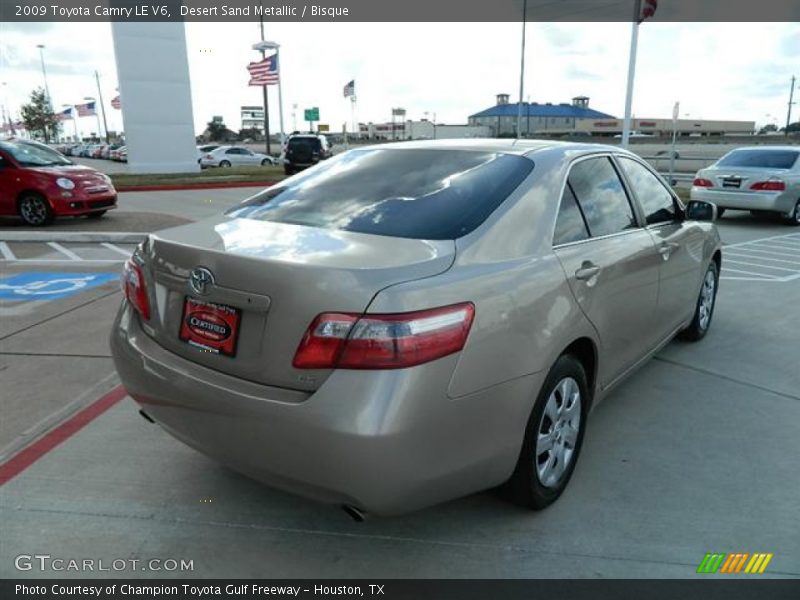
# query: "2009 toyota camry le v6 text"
(409, 323)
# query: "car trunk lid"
(277, 277)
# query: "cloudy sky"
(716, 70)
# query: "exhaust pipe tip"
(145, 416)
(355, 513)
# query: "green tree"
(767, 129)
(216, 130)
(793, 127)
(38, 116)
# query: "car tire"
(96, 215)
(224, 163)
(266, 163)
(720, 212)
(793, 218)
(534, 484)
(35, 210)
(704, 309)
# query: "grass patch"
(215, 175)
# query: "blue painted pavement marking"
(50, 285)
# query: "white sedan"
(234, 156)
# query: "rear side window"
(413, 193)
(767, 159)
(657, 203)
(570, 226)
(599, 191)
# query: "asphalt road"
(695, 453)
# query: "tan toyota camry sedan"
(408, 323)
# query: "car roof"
(506, 146)
(769, 148)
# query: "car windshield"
(30, 155)
(421, 194)
(767, 159)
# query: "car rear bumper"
(386, 442)
(772, 201)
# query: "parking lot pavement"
(695, 453)
(190, 204)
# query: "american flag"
(648, 9)
(350, 89)
(264, 72)
(116, 102)
(86, 110)
(65, 114)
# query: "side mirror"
(698, 210)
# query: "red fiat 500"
(39, 184)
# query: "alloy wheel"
(557, 434)
(34, 210)
(707, 295)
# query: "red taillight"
(134, 287)
(393, 341)
(700, 182)
(773, 185)
(209, 156)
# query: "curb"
(119, 237)
(211, 185)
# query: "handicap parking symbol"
(50, 286)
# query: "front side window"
(412, 193)
(600, 194)
(657, 203)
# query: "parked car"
(39, 184)
(202, 150)
(234, 156)
(305, 150)
(409, 323)
(759, 179)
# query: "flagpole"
(102, 107)
(280, 94)
(522, 68)
(626, 126)
(264, 88)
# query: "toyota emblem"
(201, 280)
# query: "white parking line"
(65, 251)
(122, 251)
(762, 258)
(756, 257)
(6, 252)
(741, 262)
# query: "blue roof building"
(536, 118)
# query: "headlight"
(65, 184)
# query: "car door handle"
(587, 271)
(667, 248)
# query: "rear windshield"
(768, 159)
(297, 142)
(422, 194)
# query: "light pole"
(264, 46)
(96, 114)
(44, 72)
